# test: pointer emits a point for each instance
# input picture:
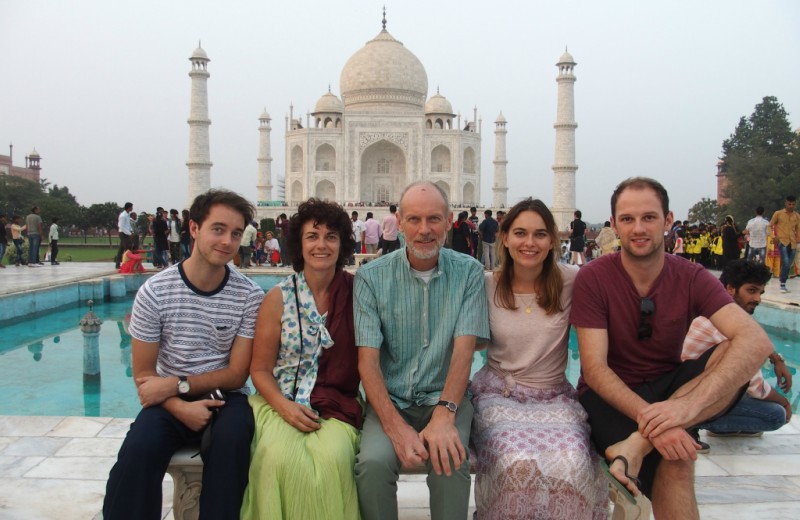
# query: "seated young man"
(632, 310)
(192, 331)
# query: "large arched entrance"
(383, 172)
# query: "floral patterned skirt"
(535, 458)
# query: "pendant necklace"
(528, 304)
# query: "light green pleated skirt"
(300, 476)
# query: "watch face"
(183, 387)
(453, 407)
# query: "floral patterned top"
(296, 367)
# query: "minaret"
(564, 167)
(199, 162)
(264, 186)
(499, 186)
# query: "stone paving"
(56, 467)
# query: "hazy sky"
(101, 88)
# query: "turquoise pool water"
(48, 366)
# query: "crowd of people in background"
(30, 232)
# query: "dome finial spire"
(329, 88)
(384, 18)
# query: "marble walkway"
(56, 468)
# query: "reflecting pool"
(48, 366)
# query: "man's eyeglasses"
(646, 308)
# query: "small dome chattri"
(329, 103)
(34, 153)
(200, 54)
(566, 58)
(264, 115)
(501, 118)
(438, 104)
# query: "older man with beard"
(418, 313)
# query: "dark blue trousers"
(134, 485)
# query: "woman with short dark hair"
(305, 369)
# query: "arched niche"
(469, 160)
(440, 159)
(325, 158)
(297, 158)
(297, 192)
(468, 194)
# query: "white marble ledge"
(14, 467)
(13, 425)
(92, 447)
(7, 441)
(783, 465)
(73, 468)
(749, 511)
(50, 498)
(116, 428)
(79, 427)
(705, 467)
(729, 490)
(766, 445)
(34, 446)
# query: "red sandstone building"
(31, 171)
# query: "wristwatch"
(778, 356)
(450, 405)
(183, 386)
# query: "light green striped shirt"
(414, 324)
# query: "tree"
(706, 211)
(18, 195)
(762, 160)
(103, 216)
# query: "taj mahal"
(383, 132)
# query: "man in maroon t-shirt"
(632, 310)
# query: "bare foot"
(634, 449)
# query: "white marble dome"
(566, 58)
(438, 104)
(384, 75)
(265, 115)
(199, 53)
(329, 103)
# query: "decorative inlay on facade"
(366, 139)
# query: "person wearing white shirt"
(124, 227)
(358, 235)
(54, 242)
(756, 231)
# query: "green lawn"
(86, 254)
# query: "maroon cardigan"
(336, 389)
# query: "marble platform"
(56, 468)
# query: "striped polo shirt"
(195, 329)
(414, 323)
